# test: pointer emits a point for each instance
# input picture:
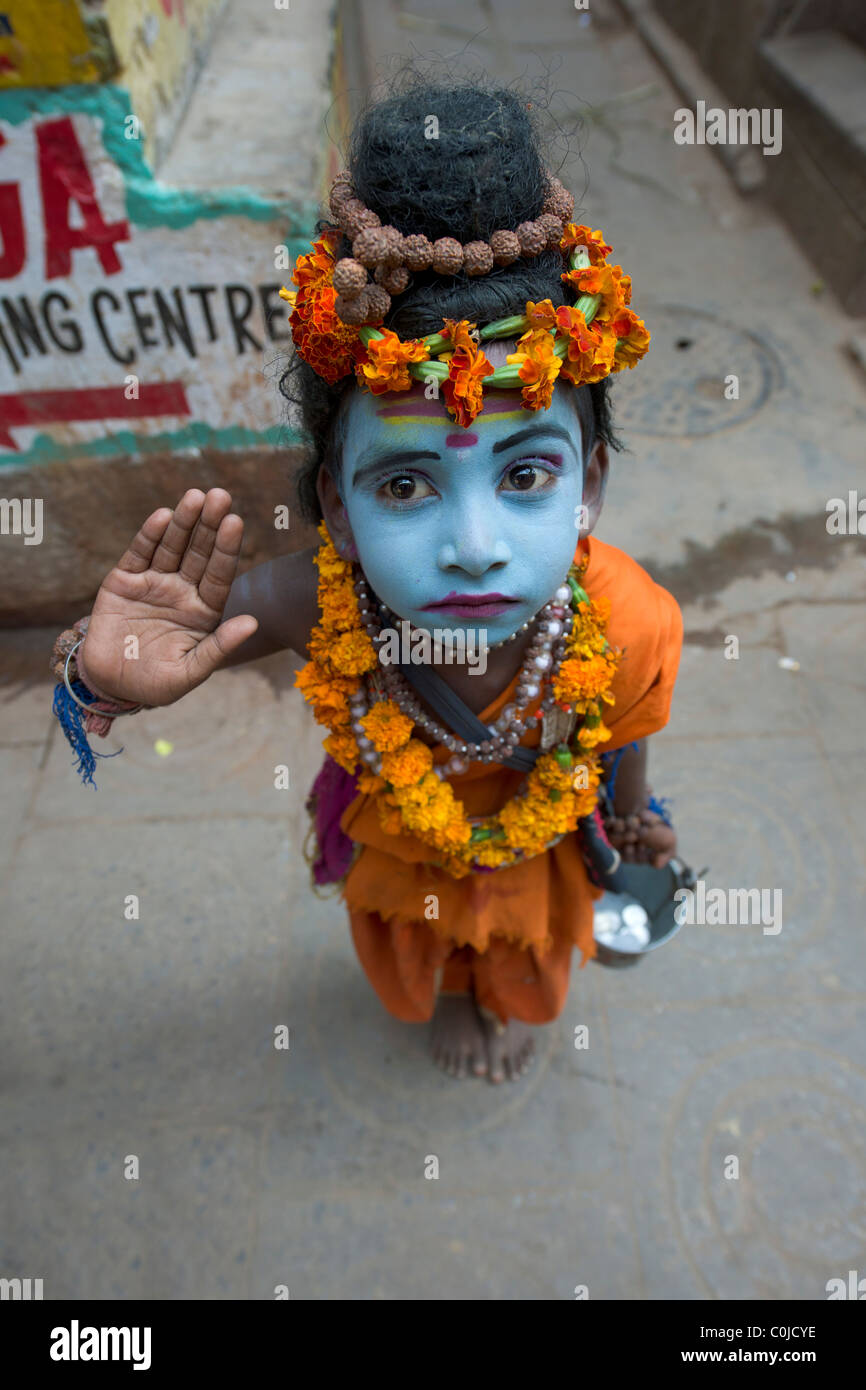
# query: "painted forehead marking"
(435, 412)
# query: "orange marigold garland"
(330, 346)
(538, 367)
(387, 369)
(410, 797)
(582, 343)
(575, 236)
(467, 368)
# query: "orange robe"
(506, 936)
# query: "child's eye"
(405, 487)
(527, 477)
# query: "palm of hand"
(155, 632)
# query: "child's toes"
(462, 1063)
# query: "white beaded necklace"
(541, 663)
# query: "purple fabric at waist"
(333, 790)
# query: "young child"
(455, 331)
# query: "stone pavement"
(606, 1167)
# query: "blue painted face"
(445, 516)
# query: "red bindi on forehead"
(460, 441)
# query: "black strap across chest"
(457, 714)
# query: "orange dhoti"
(506, 936)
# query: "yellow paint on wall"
(159, 46)
(45, 43)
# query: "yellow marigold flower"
(343, 749)
(574, 234)
(492, 855)
(406, 766)
(605, 280)
(589, 738)
(330, 695)
(455, 834)
(428, 805)
(389, 358)
(542, 314)
(590, 354)
(467, 368)
(320, 647)
(330, 565)
(387, 726)
(339, 605)
(520, 822)
(338, 717)
(317, 266)
(353, 653)
(582, 680)
(548, 773)
(633, 339)
(539, 368)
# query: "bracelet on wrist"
(80, 710)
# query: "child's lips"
(472, 605)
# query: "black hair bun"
(454, 161)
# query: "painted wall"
(160, 46)
(133, 316)
(153, 48)
(47, 44)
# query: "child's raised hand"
(168, 592)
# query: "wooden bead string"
(392, 257)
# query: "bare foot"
(510, 1049)
(459, 1045)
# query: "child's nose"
(475, 547)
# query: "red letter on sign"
(11, 228)
(64, 178)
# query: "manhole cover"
(679, 387)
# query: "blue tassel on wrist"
(72, 717)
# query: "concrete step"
(818, 185)
(257, 113)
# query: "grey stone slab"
(364, 1104)
(760, 813)
(258, 122)
(744, 697)
(227, 738)
(783, 1093)
(171, 1014)
(19, 776)
(828, 70)
(829, 641)
(177, 1226)
(426, 1242)
(25, 714)
(754, 603)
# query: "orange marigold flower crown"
(335, 311)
